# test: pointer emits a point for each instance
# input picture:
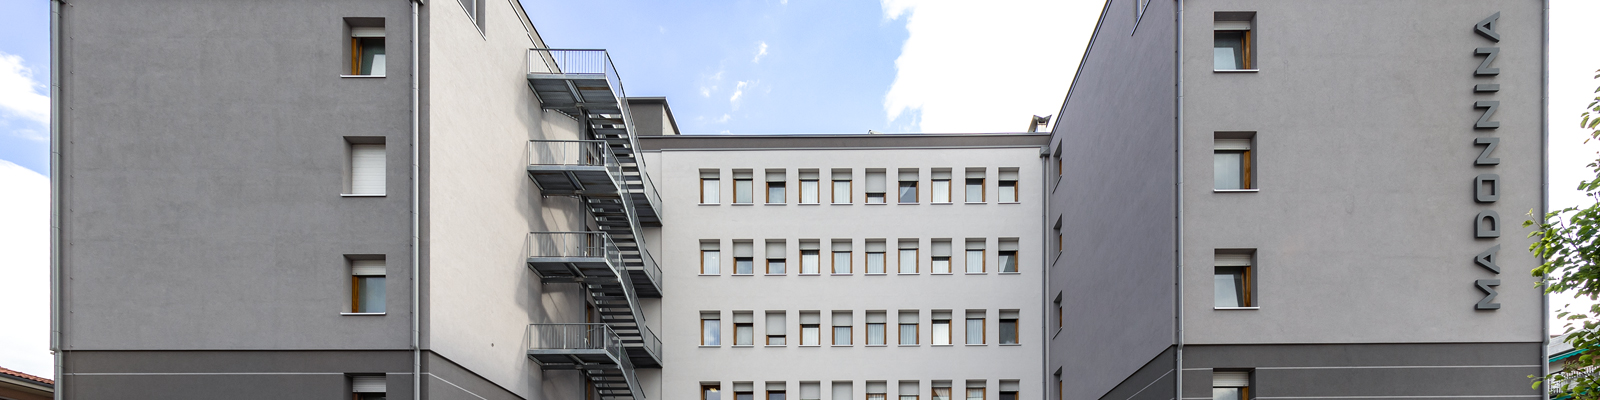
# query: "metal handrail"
(652, 342)
(570, 152)
(578, 61)
(575, 244)
(576, 337)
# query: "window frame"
(983, 262)
(815, 263)
(983, 190)
(717, 262)
(814, 192)
(916, 264)
(916, 334)
(715, 186)
(748, 184)
(883, 261)
(1015, 267)
(1247, 62)
(738, 336)
(781, 262)
(1016, 193)
(916, 195)
(816, 336)
(933, 264)
(883, 333)
(983, 330)
(949, 332)
(849, 335)
(849, 194)
(713, 325)
(706, 389)
(748, 262)
(782, 188)
(848, 261)
(1016, 331)
(933, 191)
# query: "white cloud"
(738, 94)
(19, 94)
(705, 91)
(25, 266)
(761, 51)
(725, 118)
(1038, 41)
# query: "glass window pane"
(908, 334)
(775, 194)
(1008, 261)
(1008, 331)
(841, 335)
(810, 335)
(810, 262)
(711, 393)
(744, 266)
(709, 261)
(372, 297)
(841, 262)
(841, 191)
(875, 263)
(1225, 394)
(908, 192)
(1228, 169)
(974, 331)
(744, 396)
(743, 191)
(808, 192)
(709, 191)
(1008, 191)
(941, 265)
(908, 261)
(1229, 284)
(975, 394)
(940, 191)
(774, 395)
(775, 267)
(372, 57)
(941, 332)
(744, 335)
(1229, 50)
(875, 334)
(775, 340)
(711, 332)
(975, 261)
(875, 198)
(975, 191)
(941, 393)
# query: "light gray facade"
(1358, 221)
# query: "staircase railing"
(571, 152)
(575, 245)
(576, 337)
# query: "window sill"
(839, 274)
(977, 273)
(841, 204)
(940, 273)
(1235, 190)
(976, 202)
(744, 204)
(361, 76)
(841, 345)
(363, 195)
(710, 274)
(1236, 308)
(774, 204)
(908, 345)
(976, 345)
(809, 204)
(875, 274)
(810, 345)
(742, 346)
(939, 203)
(359, 314)
(710, 347)
(1010, 344)
(877, 204)
(1235, 70)
(908, 204)
(774, 345)
(1008, 273)
(711, 204)
(775, 274)
(909, 273)
(877, 345)
(1010, 202)
(744, 274)
(810, 274)
(1057, 333)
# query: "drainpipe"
(1177, 237)
(416, 263)
(1044, 263)
(1544, 203)
(55, 192)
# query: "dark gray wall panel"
(1154, 381)
(1370, 370)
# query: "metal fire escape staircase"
(613, 263)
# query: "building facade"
(256, 200)
(1261, 199)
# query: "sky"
(739, 67)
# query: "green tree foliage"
(1566, 242)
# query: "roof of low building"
(19, 374)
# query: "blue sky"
(25, 33)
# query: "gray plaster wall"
(689, 293)
(272, 374)
(203, 157)
(1393, 370)
(480, 203)
(1363, 113)
(1115, 204)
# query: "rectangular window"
(1008, 255)
(877, 390)
(775, 187)
(841, 186)
(710, 328)
(1060, 241)
(908, 390)
(841, 257)
(368, 167)
(810, 390)
(941, 334)
(1060, 313)
(1008, 186)
(975, 255)
(776, 391)
(876, 186)
(1233, 47)
(842, 390)
(744, 391)
(743, 187)
(369, 387)
(1231, 163)
(810, 257)
(908, 327)
(1009, 389)
(975, 189)
(366, 50)
(744, 329)
(710, 187)
(975, 390)
(1061, 393)
(908, 256)
(1230, 385)
(941, 390)
(1233, 279)
(876, 322)
(1009, 334)
(808, 186)
(975, 327)
(474, 10)
(939, 189)
(941, 256)
(775, 394)
(776, 257)
(367, 286)
(744, 257)
(841, 328)
(810, 328)
(875, 256)
(710, 392)
(710, 258)
(908, 186)
(776, 330)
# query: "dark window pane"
(1229, 50)
(1229, 286)
(908, 192)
